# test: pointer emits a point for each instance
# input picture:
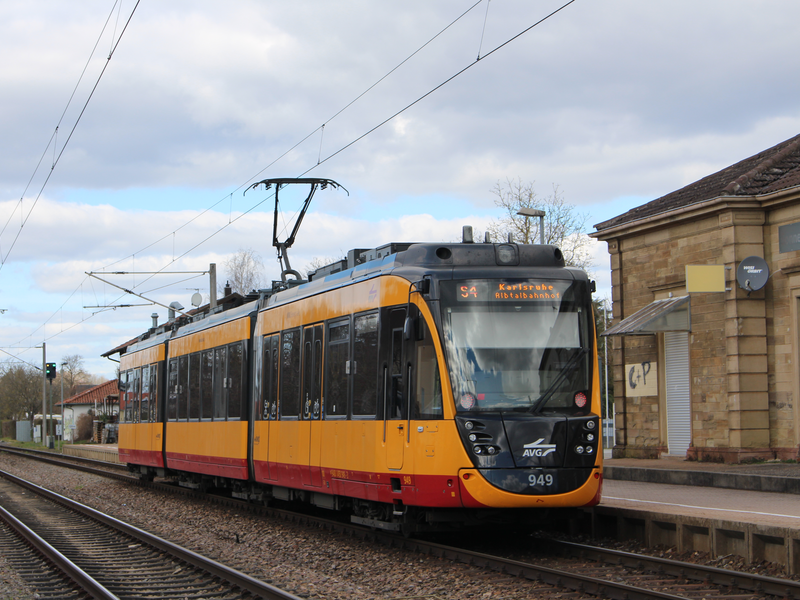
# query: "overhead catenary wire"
(320, 161)
(321, 128)
(57, 158)
(54, 136)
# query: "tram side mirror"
(423, 286)
(409, 328)
(413, 329)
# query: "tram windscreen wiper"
(562, 375)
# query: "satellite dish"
(752, 273)
(197, 299)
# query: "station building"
(705, 358)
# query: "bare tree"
(563, 225)
(73, 373)
(20, 392)
(244, 271)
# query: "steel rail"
(236, 578)
(783, 588)
(86, 582)
(763, 584)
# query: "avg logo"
(373, 292)
(537, 448)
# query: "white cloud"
(617, 103)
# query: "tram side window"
(144, 395)
(396, 404)
(365, 364)
(290, 373)
(220, 407)
(235, 374)
(337, 378)
(126, 410)
(154, 397)
(172, 390)
(183, 388)
(206, 383)
(133, 393)
(269, 378)
(194, 385)
(312, 371)
(428, 386)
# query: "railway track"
(592, 571)
(109, 559)
(40, 573)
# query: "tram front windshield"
(518, 345)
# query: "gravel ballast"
(307, 562)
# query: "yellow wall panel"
(226, 439)
(220, 335)
(142, 357)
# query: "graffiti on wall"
(641, 379)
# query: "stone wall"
(744, 353)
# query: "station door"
(679, 401)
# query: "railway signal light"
(50, 371)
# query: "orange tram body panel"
(416, 386)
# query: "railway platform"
(101, 452)
(751, 510)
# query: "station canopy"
(668, 314)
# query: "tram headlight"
(580, 400)
(591, 424)
(579, 449)
(469, 425)
(589, 450)
(589, 437)
(473, 437)
(477, 450)
(507, 255)
(491, 450)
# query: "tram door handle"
(400, 427)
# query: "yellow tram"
(414, 386)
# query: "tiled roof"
(96, 394)
(772, 170)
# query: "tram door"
(395, 394)
(312, 400)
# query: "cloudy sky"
(144, 168)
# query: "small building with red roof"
(97, 400)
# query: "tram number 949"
(543, 480)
